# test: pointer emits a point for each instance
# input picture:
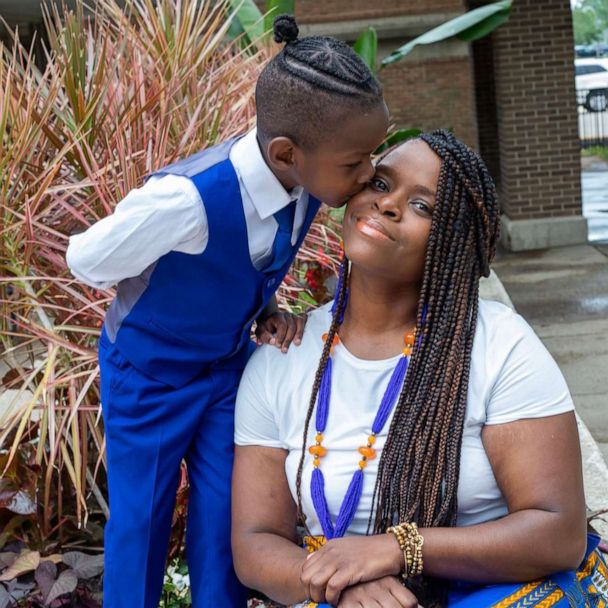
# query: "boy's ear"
(281, 153)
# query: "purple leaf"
(7, 559)
(46, 573)
(5, 598)
(85, 566)
(66, 583)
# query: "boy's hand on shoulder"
(280, 329)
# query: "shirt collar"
(264, 189)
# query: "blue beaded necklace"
(353, 493)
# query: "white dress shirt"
(167, 214)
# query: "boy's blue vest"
(185, 312)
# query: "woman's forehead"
(413, 155)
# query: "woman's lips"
(373, 228)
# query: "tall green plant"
(122, 94)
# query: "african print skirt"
(586, 587)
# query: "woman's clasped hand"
(351, 561)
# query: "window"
(583, 70)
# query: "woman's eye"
(425, 207)
(378, 184)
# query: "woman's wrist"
(394, 555)
(410, 542)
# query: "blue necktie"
(282, 248)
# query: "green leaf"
(248, 18)
(470, 26)
(366, 47)
(274, 8)
(485, 27)
(308, 298)
(397, 137)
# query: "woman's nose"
(388, 206)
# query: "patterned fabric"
(586, 587)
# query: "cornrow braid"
(324, 62)
(313, 81)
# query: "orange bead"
(368, 452)
(335, 341)
(409, 339)
(317, 450)
(316, 462)
(362, 464)
(319, 437)
(371, 439)
(407, 351)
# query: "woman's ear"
(280, 152)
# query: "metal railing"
(592, 117)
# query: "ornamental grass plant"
(123, 92)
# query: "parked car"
(598, 49)
(592, 83)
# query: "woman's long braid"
(333, 329)
(420, 464)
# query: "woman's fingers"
(336, 585)
(374, 594)
(315, 580)
(404, 597)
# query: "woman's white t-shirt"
(512, 377)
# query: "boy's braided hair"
(310, 84)
(419, 467)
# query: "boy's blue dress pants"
(150, 427)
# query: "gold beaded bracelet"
(410, 542)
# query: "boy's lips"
(374, 228)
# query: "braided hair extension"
(419, 467)
(310, 83)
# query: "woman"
(428, 406)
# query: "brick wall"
(536, 111)
(432, 94)
(485, 98)
(429, 89)
(315, 11)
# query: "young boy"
(197, 253)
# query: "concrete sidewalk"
(563, 294)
